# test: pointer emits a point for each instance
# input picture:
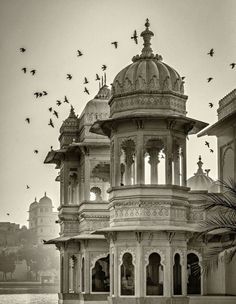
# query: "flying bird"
(66, 100)
(27, 187)
(27, 120)
(24, 70)
(41, 94)
(86, 90)
(45, 93)
(69, 76)
(58, 102)
(135, 37)
(79, 53)
(97, 77)
(51, 147)
(8, 214)
(50, 109)
(233, 64)
(207, 144)
(36, 94)
(183, 77)
(36, 151)
(51, 123)
(33, 72)
(211, 150)
(115, 44)
(22, 50)
(55, 113)
(85, 80)
(211, 52)
(209, 79)
(210, 104)
(104, 67)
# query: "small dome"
(45, 200)
(150, 78)
(103, 93)
(71, 123)
(34, 204)
(201, 180)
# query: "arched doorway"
(194, 274)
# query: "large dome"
(45, 200)
(148, 75)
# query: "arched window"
(95, 194)
(154, 276)
(177, 275)
(194, 274)
(82, 275)
(101, 275)
(127, 275)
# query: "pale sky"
(52, 31)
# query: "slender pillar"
(168, 273)
(128, 165)
(154, 161)
(86, 178)
(140, 160)
(65, 184)
(116, 165)
(176, 168)
(66, 273)
(169, 160)
(184, 165)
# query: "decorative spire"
(147, 34)
(35, 199)
(200, 163)
(45, 194)
(72, 112)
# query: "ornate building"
(138, 245)
(42, 220)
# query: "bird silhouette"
(207, 144)
(36, 151)
(69, 76)
(86, 90)
(211, 52)
(85, 80)
(209, 79)
(41, 94)
(50, 109)
(183, 77)
(211, 151)
(97, 77)
(104, 67)
(210, 104)
(45, 93)
(27, 120)
(33, 72)
(233, 64)
(27, 187)
(22, 50)
(8, 214)
(66, 100)
(58, 102)
(24, 70)
(51, 123)
(55, 113)
(135, 37)
(115, 43)
(79, 53)
(51, 147)
(36, 94)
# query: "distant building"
(42, 219)
(9, 234)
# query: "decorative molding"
(95, 256)
(182, 256)
(149, 251)
(127, 250)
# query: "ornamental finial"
(147, 34)
(199, 163)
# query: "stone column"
(176, 158)
(140, 160)
(168, 282)
(86, 178)
(128, 165)
(184, 273)
(139, 274)
(184, 165)
(66, 273)
(154, 161)
(169, 160)
(65, 183)
(116, 272)
(116, 165)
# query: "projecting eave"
(167, 228)
(63, 239)
(220, 125)
(103, 127)
(54, 156)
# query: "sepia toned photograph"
(118, 152)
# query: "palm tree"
(221, 220)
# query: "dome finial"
(45, 194)
(199, 163)
(147, 34)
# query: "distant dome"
(34, 204)
(45, 200)
(148, 74)
(201, 180)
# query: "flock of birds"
(69, 76)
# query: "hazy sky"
(52, 31)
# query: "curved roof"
(34, 204)
(45, 200)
